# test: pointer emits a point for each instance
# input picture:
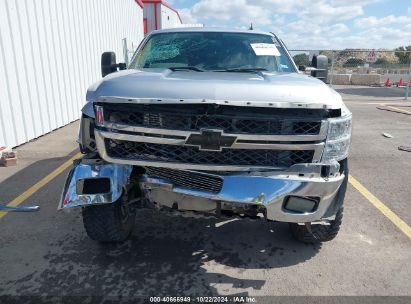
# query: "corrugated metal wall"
(50, 53)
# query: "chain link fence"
(362, 67)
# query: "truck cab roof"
(211, 29)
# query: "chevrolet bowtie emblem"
(211, 140)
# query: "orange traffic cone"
(401, 83)
(387, 83)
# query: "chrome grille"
(184, 136)
(188, 179)
(138, 151)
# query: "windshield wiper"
(186, 68)
(243, 70)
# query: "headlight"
(338, 140)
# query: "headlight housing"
(98, 110)
(338, 141)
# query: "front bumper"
(269, 190)
(95, 173)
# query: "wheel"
(319, 233)
(109, 222)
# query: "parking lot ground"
(366, 92)
(48, 253)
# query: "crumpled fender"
(94, 182)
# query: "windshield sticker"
(265, 49)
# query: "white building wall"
(50, 53)
(149, 14)
(160, 15)
(169, 18)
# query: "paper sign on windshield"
(265, 49)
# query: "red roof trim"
(165, 4)
(140, 3)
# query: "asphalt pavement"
(373, 92)
(49, 254)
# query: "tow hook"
(308, 226)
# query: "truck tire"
(319, 233)
(109, 223)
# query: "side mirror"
(109, 64)
(302, 68)
(320, 63)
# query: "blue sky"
(310, 24)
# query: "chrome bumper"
(268, 190)
(73, 195)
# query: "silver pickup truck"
(211, 121)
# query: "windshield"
(213, 51)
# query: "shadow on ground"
(167, 255)
(16, 184)
(48, 253)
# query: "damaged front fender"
(94, 182)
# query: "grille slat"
(186, 179)
(186, 154)
(195, 118)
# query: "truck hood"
(243, 89)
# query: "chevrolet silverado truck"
(211, 121)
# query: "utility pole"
(125, 51)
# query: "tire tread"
(103, 223)
(320, 233)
